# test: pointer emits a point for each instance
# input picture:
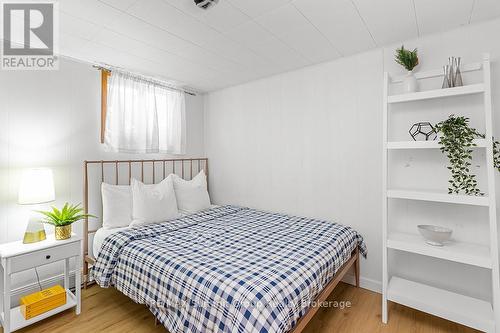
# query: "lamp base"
(35, 232)
(33, 237)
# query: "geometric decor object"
(423, 131)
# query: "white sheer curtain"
(171, 121)
(144, 117)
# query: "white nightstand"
(16, 257)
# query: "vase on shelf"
(452, 74)
(457, 75)
(446, 77)
(410, 83)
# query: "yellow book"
(45, 305)
(42, 301)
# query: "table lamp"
(37, 187)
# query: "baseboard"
(366, 283)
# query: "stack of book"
(42, 301)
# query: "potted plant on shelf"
(63, 218)
(409, 60)
(456, 138)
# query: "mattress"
(227, 269)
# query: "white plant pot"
(410, 83)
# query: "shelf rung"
(435, 196)
(436, 93)
(462, 309)
(465, 253)
(480, 143)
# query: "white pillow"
(192, 196)
(153, 203)
(116, 206)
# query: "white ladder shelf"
(462, 309)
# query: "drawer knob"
(47, 256)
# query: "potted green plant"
(409, 60)
(456, 138)
(62, 219)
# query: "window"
(141, 116)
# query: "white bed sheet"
(102, 233)
(99, 237)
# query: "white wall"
(52, 119)
(308, 142)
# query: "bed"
(102, 233)
(228, 268)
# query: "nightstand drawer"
(42, 257)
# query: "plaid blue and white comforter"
(226, 269)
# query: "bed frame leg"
(85, 273)
(156, 322)
(356, 268)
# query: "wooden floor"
(107, 310)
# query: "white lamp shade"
(37, 186)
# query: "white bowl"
(434, 235)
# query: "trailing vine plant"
(457, 140)
(496, 154)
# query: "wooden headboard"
(112, 171)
